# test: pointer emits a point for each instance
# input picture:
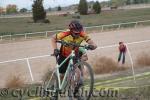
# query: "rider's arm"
(53, 42)
(88, 40)
(58, 36)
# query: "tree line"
(83, 7)
(40, 14)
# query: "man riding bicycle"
(75, 34)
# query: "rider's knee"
(84, 57)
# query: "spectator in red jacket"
(122, 52)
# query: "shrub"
(104, 64)
(14, 81)
(46, 21)
(47, 75)
(143, 59)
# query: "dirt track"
(17, 50)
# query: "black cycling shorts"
(63, 68)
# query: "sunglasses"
(75, 34)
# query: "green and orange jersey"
(67, 37)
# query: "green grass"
(25, 25)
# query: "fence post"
(119, 26)
(133, 72)
(10, 37)
(135, 24)
(1, 38)
(102, 28)
(29, 67)
(25, 36)
(85, 29)
(46, 34)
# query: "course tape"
(35, 99)
(114, 88)
(121, 79)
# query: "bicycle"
(75, 78)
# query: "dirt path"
(25, 49)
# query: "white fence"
(109, 46)
(45, 34)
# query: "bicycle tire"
(83, 66)
(47, 86)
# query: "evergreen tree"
(83, 7)
(136, 1)
(23, 10)
(128, 2)
(97, 7)
(146, 1)
(49, 9)
(59, 8)
(38, 10)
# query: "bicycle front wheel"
(86, 81)
(50, 87)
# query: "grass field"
(25, 25)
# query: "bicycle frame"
(61, 85)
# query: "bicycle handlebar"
(74, 45)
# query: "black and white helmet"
(75, 27)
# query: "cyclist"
(75, 34)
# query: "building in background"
(11, 8)
(2, 10)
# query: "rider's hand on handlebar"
(91, 47)
(56, 52)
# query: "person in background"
(122, 52)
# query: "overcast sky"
(47, 3)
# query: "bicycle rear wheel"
(84, 89)
(49, 89)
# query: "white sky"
(47, 3)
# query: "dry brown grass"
(143, 59)
(47, 75)
(104, 64)
(14, 81)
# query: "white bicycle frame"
(61, 86)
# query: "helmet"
(75, 27)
